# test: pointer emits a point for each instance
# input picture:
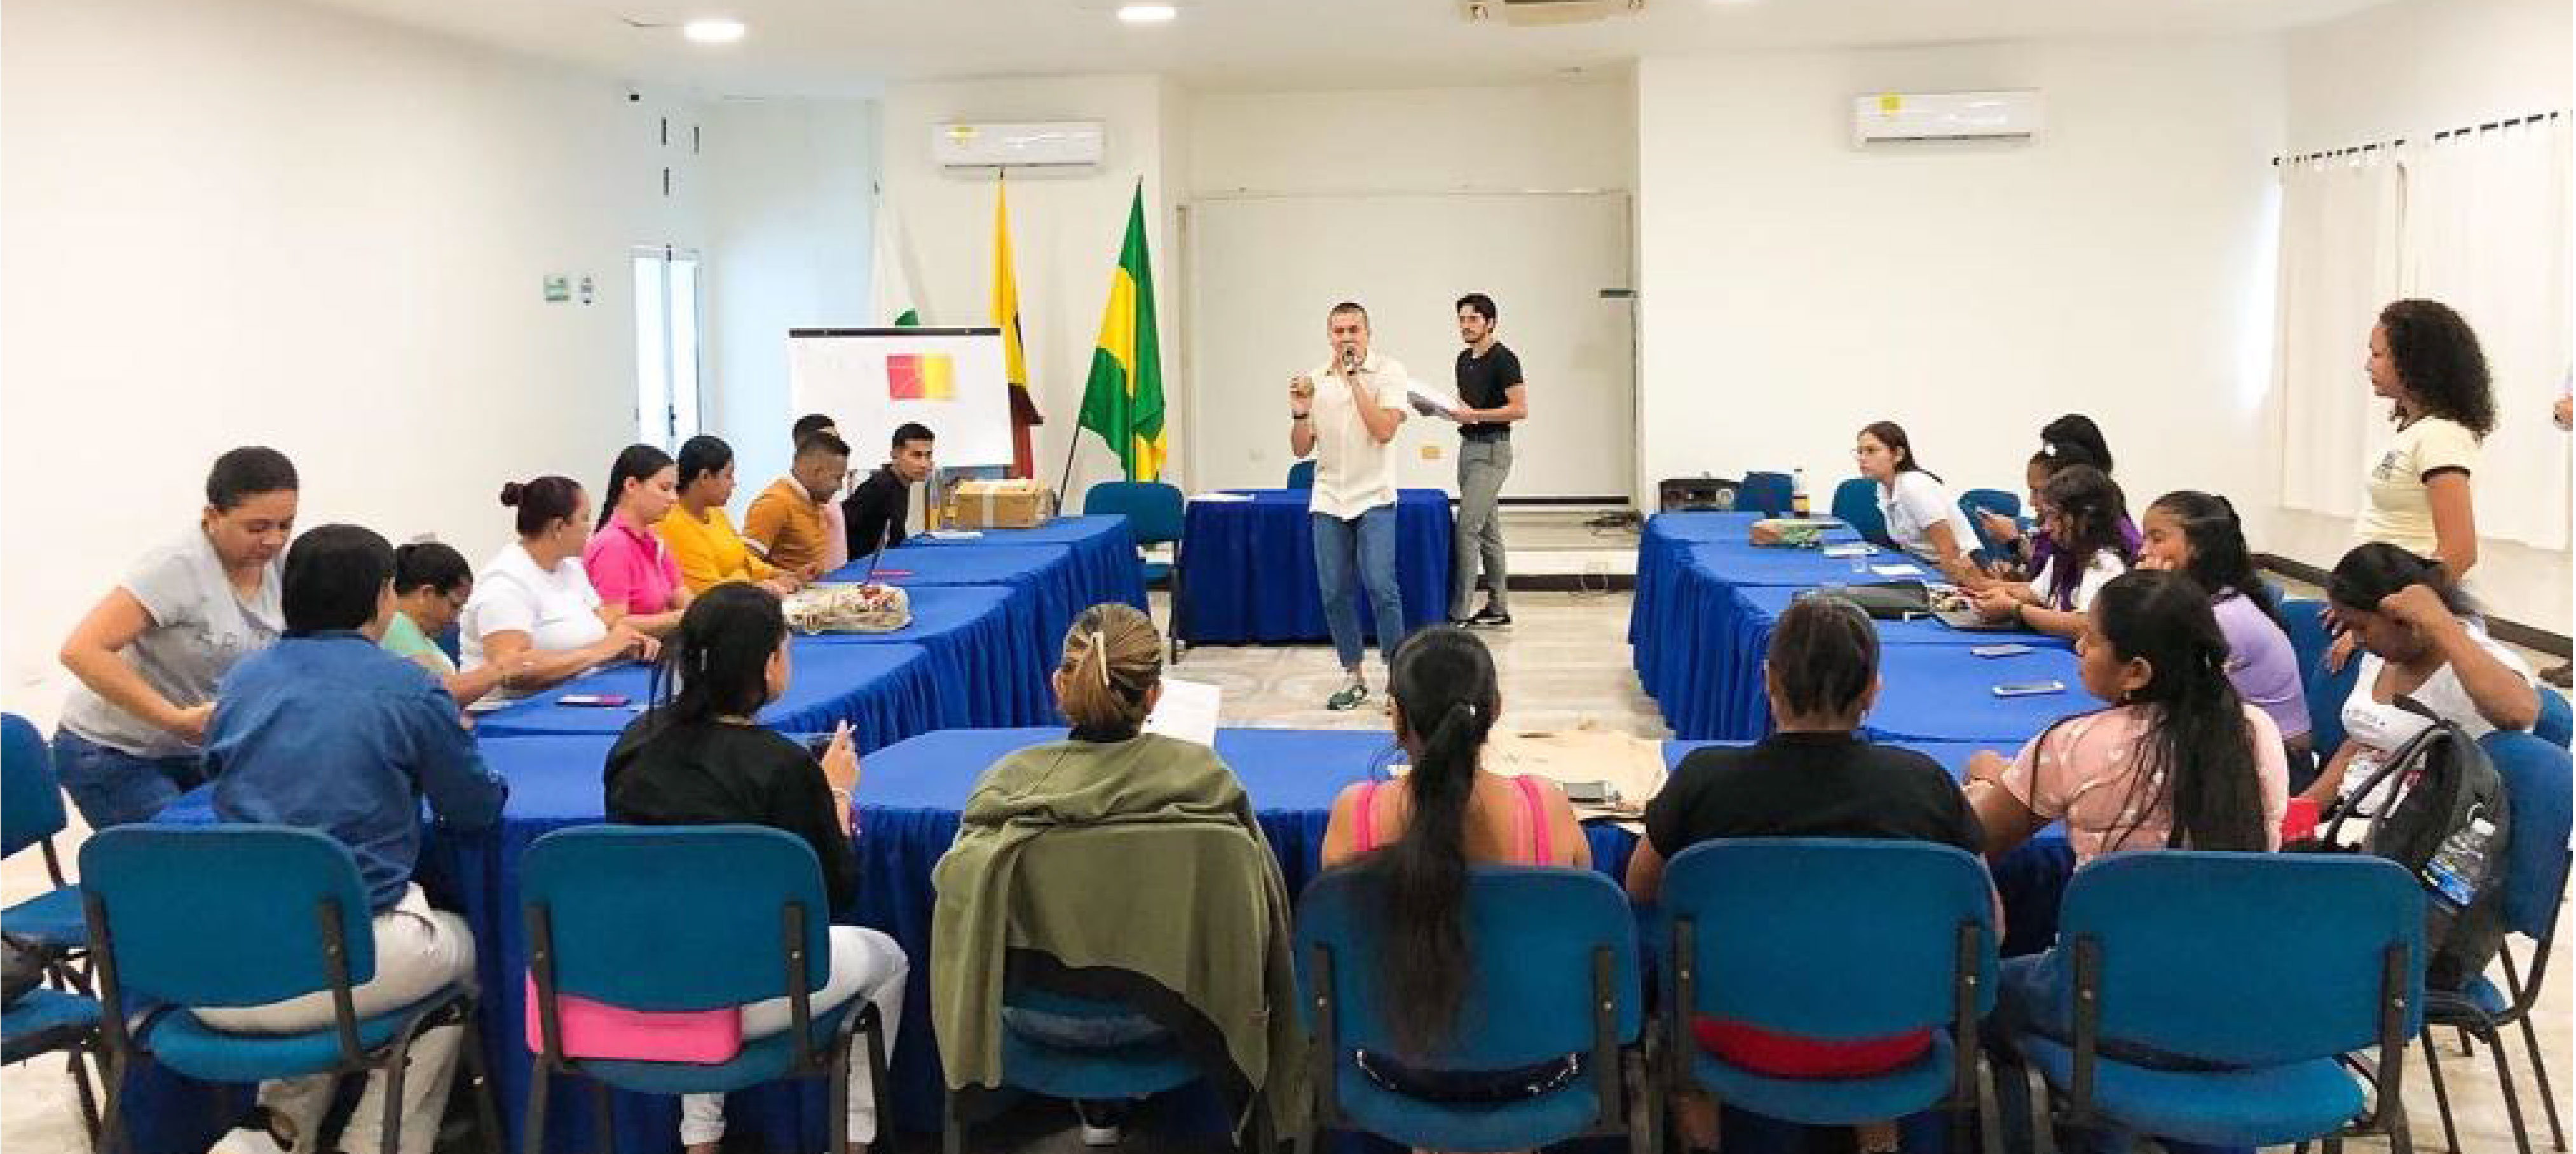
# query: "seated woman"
(431, 586)
(1922, 518)
(1813, 777)
(2082, 510)
(2178, 762)
(2023, 553)
(2421, 639)
(1108, 773)
(2175, 759)
(628, 564)
(1425, 829)
(147, 656)
(533, 612)
(697, 758)
(701, 538)
(2198, 535)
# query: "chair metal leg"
(603, 1117)
(2468, 1047)
(876, 1055)
(836, 1098)
(113, 1138)
(396, 1065)
(2539, 1071)
(478, 1073)
(2512, 1100)
(77, 1063)
(540, 1078)
(2441, 1091)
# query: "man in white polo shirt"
(1345, 414)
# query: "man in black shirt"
(876, 509)
(1493, 395)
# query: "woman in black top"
(697, 758)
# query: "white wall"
(1795, 288)
(2410, 69)
(249, 221)
(1504, 138)
(1066, 229)
(791, 197)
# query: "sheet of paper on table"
(1187, 712)
(1221, 498)
(1896, 570)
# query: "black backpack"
(2447, 821)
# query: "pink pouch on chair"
(597, 1030)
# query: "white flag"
(890, 300)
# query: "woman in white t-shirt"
(533, 607)
(1922, 519)
(2421, 640)
(2425, 360)
(2082, 510)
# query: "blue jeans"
(112, 787)
(1368, 544)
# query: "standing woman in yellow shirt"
(701, 537)
(2425, 361)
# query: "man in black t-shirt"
(1493, 396)
(876, 508)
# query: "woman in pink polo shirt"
(628, 563)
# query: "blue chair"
(1302, 475)
(231, 916)
(2270, 967)
(2305, 622)
(1238, 870)
(1154, 513)
(1976, 501)
(2554, 721)
(1831, 938)
(1856, 503)
(1552, 971)
(46, 1021)
(2536, 782)
(1770, 494)
(680, 918)
(31, 813)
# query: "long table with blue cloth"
(907, 816)
(1248, 568)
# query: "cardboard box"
(1018, 504)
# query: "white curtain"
(2486, 231)
(2339, 259)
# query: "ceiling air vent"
(1525, 13)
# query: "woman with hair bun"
(534, 613)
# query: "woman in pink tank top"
(1424, 829)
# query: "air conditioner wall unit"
(1893, 116)
(1537, 13)
(1049, 144)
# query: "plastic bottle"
(1798, 492)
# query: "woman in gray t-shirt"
(149, 653)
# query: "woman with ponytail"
(2199, 536)
(697, 757)
(533, 613)
(628, 563)
(1423, 831)
(2177, 759)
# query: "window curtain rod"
(2492, 125)
(2331, 153)
(2400, 142)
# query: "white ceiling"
(846, 47)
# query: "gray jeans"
(1482, 466)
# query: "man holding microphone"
(1345, 414)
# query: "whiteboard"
(871, 381)
(1263, 272)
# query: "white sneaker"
(1099, 1136)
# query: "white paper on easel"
(1187, 712)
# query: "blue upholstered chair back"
(2305, 621)
(2246, 958)
(1830, 937)
(31, 807)
(1766, 493)
(672, 918)
(1531, 937)
(1153, 509)
(1301, 475)
(2554, 720)
(224, 915)
(2536, 783)
(1856, 502)
(1976, 501)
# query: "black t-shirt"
(713, 773)
(873, 514)
(1481, 383)
(1810, 785)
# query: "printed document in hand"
(1187, 712)
(1431, 397)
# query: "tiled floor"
(1563, 662)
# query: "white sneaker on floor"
(1099, 1136)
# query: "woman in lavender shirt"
(2198, 534)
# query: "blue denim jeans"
(1368, 545)
(113, 787)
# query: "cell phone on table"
(1590, 792)
(2009, 650)
(594, 700)
(2029, 688)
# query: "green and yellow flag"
(1124, 400)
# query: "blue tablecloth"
(1940, 693)
(885, 692)
(1248, 571)
(1104, 553)
(1659, 550)
(982, 645)
(1044, 573)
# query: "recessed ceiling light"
(1147, 13)
(713, 30)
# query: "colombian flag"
(1123, 402)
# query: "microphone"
(1350, 361)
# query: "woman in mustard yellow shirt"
(700, 536)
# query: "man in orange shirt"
(785, 523)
